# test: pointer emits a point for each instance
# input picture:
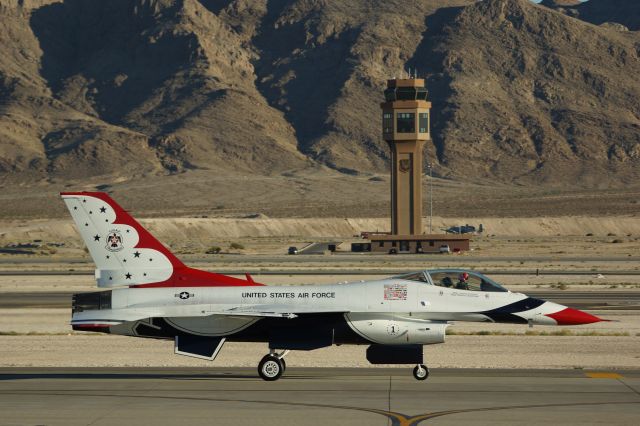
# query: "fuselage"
(368, 309)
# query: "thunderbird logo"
(114, 241)
(405, 165)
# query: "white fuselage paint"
(371, 308)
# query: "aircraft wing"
(278, 311)
(117, 316)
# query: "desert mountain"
(132, 89)
(621, 12)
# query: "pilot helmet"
(463, 276)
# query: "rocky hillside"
(611, 12)
(129, 89)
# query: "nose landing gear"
(421, 372)
(272, 365)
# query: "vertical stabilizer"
(124, 252)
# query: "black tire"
(420, 372)
(270, 368)
(284, 365)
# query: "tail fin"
(125, 253)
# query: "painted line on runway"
(397, 419)
(603, 375)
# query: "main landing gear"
(272, 365)
(421, 372)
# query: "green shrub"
(236, 246)
(213, 250)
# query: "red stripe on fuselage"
(146, 240)
(189, 277)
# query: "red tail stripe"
(189, 277)
(182, 276)
(123, 218)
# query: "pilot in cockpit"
(462, 281)
(447, 282)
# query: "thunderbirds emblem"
(405, 165)
(114, 241)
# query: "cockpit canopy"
(455, 279)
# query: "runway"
(320, 396)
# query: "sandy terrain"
(199, 230)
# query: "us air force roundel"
(184, 295)
(114, 241)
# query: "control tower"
(405, 127)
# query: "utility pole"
(430, 166)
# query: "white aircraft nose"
(555, 314)
(570, 316)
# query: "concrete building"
(425, 243)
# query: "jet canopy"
(458, 279)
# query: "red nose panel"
(571, 316)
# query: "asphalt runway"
(320, 396)
(600, 300)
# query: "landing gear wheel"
(420, 372)
(284, 365)
(270, 368)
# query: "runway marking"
(397, 419)
(603, 375)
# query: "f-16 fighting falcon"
(152, 294)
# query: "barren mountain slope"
(129, 89)
(39, 134)
(325, 64)
(624, 12)
(527, 94)
(164, 83)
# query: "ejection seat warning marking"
(395, 292)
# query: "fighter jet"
(152, 294)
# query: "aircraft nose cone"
(570, 316)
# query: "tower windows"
(406, 122)
(423, 122)
(387, 122)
